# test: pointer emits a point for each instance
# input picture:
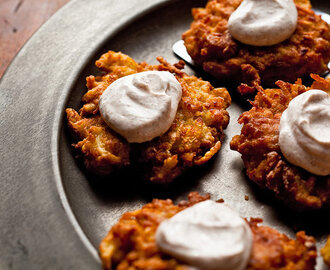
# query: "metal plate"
(53, 213)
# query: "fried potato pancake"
(193, 138)
(261, 154)
(130, 244)
(325, 252)
(211, 46)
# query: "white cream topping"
(208, 236)
(263, 22)
(304, 132)
(141, 106)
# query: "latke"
(211, 46)
(193, 138)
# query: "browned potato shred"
(261, 154)
(194, 137)
(130, 243)
(210, 45)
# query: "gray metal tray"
(53, 213)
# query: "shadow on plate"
(128, 184)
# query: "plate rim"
(23, 64)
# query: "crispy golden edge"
(263, 160)
(325, 252)
(130, 243)
(194, 137)
(210, 44)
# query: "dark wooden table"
(19, 19)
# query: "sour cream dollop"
(263, 22)
(304, 132)
(208, 236)
(141, 106)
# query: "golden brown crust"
(130, 244)
(194, 137)
(210, 45)
(274, 250)
(325, 252)
(263, 160)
